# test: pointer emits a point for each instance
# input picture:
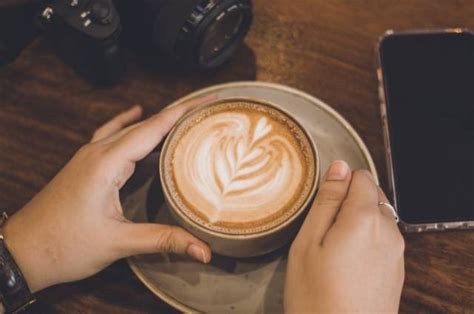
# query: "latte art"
(240, 167)
(235, 166)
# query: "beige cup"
(242, 245)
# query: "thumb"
(331, 195)
(150, 238)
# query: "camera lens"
(219, 35)
(211, 32)
(196, 33)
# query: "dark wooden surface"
(325, 48)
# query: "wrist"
(14, 290)
(22, 254)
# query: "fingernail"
(206, 99)
(338, 171)
(197, 252)
(210, 97)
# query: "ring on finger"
(392, 209)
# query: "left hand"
(75, 226)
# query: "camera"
(91, 35)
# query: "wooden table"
(325, 48)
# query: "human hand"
(348, 255)
(75, 226)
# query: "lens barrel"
(212, 32)
(201, 34)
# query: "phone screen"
(429, 91)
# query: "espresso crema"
(239, 167)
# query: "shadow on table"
(241, 67)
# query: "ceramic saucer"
(252, 285)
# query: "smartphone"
(427, 106)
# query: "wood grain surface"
(325, 48)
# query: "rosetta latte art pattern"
(238, 167)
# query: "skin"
(348, 255)
(75, 226)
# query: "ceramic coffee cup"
(240, 174)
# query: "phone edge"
(408, 227)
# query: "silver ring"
(394, 212)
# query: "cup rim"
(281, 226)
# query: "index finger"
(117, 123)
(140, 141)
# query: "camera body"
(85, 34)
(90, 35)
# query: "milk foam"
(238, 167)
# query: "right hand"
(348, 255)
